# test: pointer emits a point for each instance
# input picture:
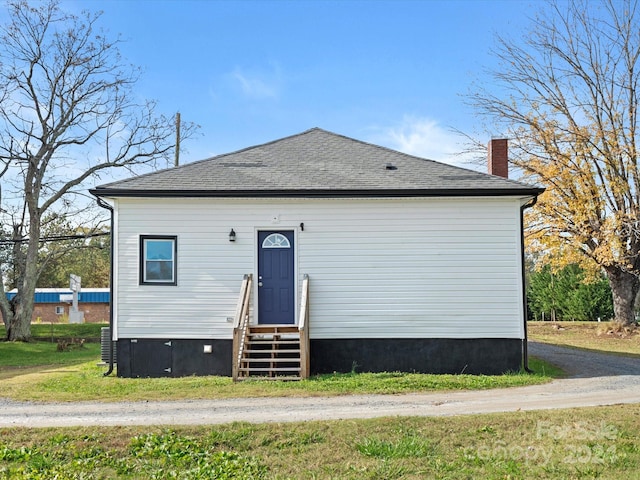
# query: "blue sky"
(391, 72)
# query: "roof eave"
(317, 193)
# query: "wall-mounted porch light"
(232, 235)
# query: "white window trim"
(143, 260)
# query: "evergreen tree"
(568, 294)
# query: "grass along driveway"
(570, 444)
(38, 372)
(85, 381)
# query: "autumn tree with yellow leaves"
(566, 95)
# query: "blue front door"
(276, 282)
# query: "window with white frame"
(158, 264)
(59, 310)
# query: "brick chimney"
(498, 157)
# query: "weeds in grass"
(154, 455)
(574, 444)
(191, 458)
(408, 446)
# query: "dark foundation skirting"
(489, 356)
(144, 357)
(178, 358)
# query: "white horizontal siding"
(402, 268)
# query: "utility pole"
(177, 158)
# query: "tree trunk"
(20, 328)
(624, 288)
(20, 325)
(7, 317)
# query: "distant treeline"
(568, 295)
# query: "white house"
(412, 265)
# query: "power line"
(56, 238)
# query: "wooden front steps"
(271, 352)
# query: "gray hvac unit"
(105, 337)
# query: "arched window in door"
(276, 240)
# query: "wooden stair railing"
(303, 328)
(275, 352)
(241, 325)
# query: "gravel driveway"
(595, 379)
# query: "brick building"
(53, 304)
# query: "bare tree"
(567, 97)
(67, 114)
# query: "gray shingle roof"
(315, 163)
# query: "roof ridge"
(324, 161)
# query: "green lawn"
(37, 371)
(19, 359)
(46, 331)
(45, 354)
(569, 444)
(586, 443)
(84, 380)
